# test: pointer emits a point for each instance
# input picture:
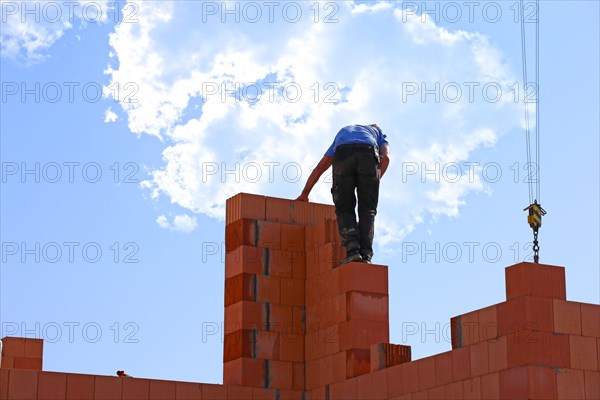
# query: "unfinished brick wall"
(300, 327)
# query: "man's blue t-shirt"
(357, 134)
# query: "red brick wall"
(300, 327)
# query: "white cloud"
(110, 116)
(30, 28)
(228, 146)
(181, 223)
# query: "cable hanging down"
(535, 209)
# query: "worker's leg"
(344, 184)
(368, 197)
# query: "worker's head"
(376, 127)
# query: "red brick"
(242, 343)
(28, 363)
(385, 355)
(280, 374)
(4, 383)
(479, 359)
(280, 263)
(339, 363)
(454, 391)
(240, 288)
(325, 370)
(319, 288)
(544, 348)
(268, 345)
(345, 390)
(367, 306)
(498, 354)
(372, 386)
(461, 363)
(542, 382)
(7, 362)
(584, 354)
(52, 386)
(567, 317)
(443, 368)
(320, 393)
(514, 383)
(244, 259)
(308, 213)
(34, 348)
(299, 320)
(525, 314)
(534, 382)
(13, 346)
(592, 384)
(278, 210)
(81, 387)
(268, 234)
(238, 392)
(245, 372)
(358, 362)
(311, 269)
(436, 393)
(329, 256)
(362, 334)
(187, 391)
(280, 318)
(488, 323)
(22, 384)
(472, 388)
(539, 280)
(317, 342)
(111, 387)
(570, 384)
(268, 289)
(422, 395)
(239, 233)
(291, 395)
(244, 205)
(312, 378)
(464, 329)
(213, 392)
(363, 277)
(426, 372)
(490, 386)
(402, 379)
(590, 320)
(299, 265)
(245, 315)
(292, 238)
(292, 292)
(263, 394)
(160, 390)
(298, 376)
(291, 347)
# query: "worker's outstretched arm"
(384, 155)
(321, 167)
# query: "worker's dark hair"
(376, 127)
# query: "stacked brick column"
(22, 353)
(265, 290)
(294, 318)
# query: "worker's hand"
(378, 174)
(302, 197)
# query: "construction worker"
(360, 156)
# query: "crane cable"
(535, 208)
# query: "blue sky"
(137, 120)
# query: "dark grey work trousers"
(355, 169)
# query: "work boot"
(350, 257)
(365, 258)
